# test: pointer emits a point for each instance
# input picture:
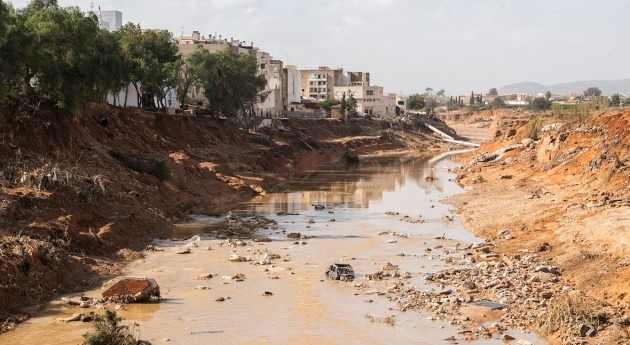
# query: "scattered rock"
(267, 293)
(294, 235)
(69, 301)
(220, 299)
(262, 239)
(204, 276)
(184, 251)
(469, 284)
(238, 258)
(507, 337)
(505, 234)
(544, 247)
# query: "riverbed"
(374, 213)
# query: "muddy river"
(301, 306)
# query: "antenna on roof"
(92, 6)
(182, 31)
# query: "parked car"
(343, 272)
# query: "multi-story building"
(110, 20)
(371, 100)
(272, 98)
(319, 83)
(401, 105)
(290, 86)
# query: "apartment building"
(318, 83)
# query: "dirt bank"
(79, 197)
(564, 195)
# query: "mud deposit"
(375, 213)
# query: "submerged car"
(343, 272)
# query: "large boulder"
(131, 289)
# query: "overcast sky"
(408, 45)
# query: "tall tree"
(433, 99)
(493, 92)
(190, 74)
(351, 105)
(548, 95)
(150, 62)
(231, 83)
(540, 103)
(615, 100)
(415, 101)
(592, 91)
(64, 52)
(342, 109)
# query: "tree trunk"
(126, 93)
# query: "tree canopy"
(493, 92)
(433, 99)
(540, 103)
(60, 57)
(592, 91)
(415, 101)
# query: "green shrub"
(108, 331)
(154, 167)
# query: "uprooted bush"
(108, 331)
(154, 167)
(54, 178)
(571, 312)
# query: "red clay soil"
(69, 201)
(570, 189)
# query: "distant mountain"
(608, 87)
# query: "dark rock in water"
(294, 235)
(350, 158)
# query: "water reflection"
(343, 186)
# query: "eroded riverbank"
(375, 214)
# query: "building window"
(401, 102)
(369, 92)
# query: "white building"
(401, 104)
(110, 20)
(291, 83)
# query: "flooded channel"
(367, 209)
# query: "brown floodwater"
(305, 307)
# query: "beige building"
(371, 100)
(319, 83)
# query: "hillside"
(608, 87)
(563, 195)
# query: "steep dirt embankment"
(79, 196)
(569, 188)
